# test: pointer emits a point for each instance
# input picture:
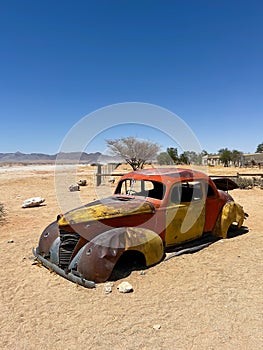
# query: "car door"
(214, 205)
(185, 212)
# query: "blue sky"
(62, 60)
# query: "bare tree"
(135, 152)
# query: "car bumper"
(69, 276)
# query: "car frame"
(151, 210)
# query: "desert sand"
(211, 299)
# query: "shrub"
(2, 212)
(244, 182)
(258, 181)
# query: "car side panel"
(215, 201)
(185, 222)
(212, 211)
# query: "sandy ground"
(212, 299)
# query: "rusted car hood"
(112, 207)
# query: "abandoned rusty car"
(150, 211)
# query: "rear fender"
(231, 212)
(96, 260)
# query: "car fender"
(47, 238)
(230, 213)
(97, 258)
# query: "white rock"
(125, 287)
(82, 182)
(33, 202)
(157, 327)
(108, 288)
(74, 187)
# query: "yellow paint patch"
(231, 213)
(102, 211)
(146, 242)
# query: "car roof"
(167, 174)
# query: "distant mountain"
(70, 157)
(19, 157)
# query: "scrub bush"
(2, 212)
(244, 183)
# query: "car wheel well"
(129, 261)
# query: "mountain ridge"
(62, 157)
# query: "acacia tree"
(164, 159)
(225, 155)
(184, 158)
(171, 156)
(260, 148)
(173, 153)
(136, 152)
(236, 157)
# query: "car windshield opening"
(142, 188)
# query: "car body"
(150, 211)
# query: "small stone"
(125, 287)
(108, 288)
(82, 182)
(10, 241)
(73, 188)
(142, 273)
(157, 327)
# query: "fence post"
(98, 183)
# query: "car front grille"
(68, 241)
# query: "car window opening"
(186, 192)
